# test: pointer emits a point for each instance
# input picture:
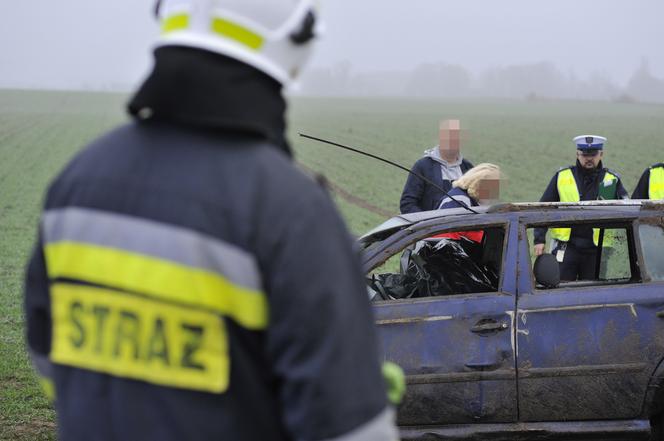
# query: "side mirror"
(547, 270)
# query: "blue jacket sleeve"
(37, 308)
(621, 192)
(550, 195)
(321, 340)
(642, 188)
(413, 191)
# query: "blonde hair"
(471, 180)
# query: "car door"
(587, 352)
(457, 351)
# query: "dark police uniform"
(190, 283)
(651, 183)
(578, 245)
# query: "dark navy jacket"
(304, 365)
(417, 194)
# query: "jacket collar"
(205, 90)
(434, 153)
(584, 172)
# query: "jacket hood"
(201, 89)
(434, 153)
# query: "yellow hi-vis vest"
(656, 185)
(569, 192)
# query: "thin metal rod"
(387, 161)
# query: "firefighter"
(576, 248)
(651, 183)
(188, 281)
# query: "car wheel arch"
(653, 402)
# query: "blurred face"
(450, 139)
(489, 191)
(589, 159)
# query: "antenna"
(428, 181)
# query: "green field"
(40, 131)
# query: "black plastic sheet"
(439, 268)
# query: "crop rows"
(40, 131)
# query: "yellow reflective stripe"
(172, 243)
(237, 32)
(175, 23)
(219, 26)
(567, 186)
(656, 183)
(157, 278)
(609, 177)
(567, 192)
(47, 387)
(561, 234)
(139, 338)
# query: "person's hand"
(539, 249)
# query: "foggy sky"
(91, 44)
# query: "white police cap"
(589, 142)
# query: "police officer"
(651, 183)
(188, 281)
(576, 248)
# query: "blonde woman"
(479, 186)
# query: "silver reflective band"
(381, 428)
(146, 237)
(42, 364)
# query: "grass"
(40, 131)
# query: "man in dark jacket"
(188, 281)
(651, 183)
(576, 248)
(442, 165)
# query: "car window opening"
(447, 263)
(652, 241)
(586, 255)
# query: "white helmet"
(274, 36)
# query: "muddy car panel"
(577, 355)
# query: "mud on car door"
(456, 348)
(586, 349)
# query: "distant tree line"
(528, 81)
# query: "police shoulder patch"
(613, 172)
(565, 168)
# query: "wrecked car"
(493, 343)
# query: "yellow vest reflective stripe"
(656, 185)
(569, 192)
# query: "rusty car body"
(521, 359)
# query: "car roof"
(405, 220)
